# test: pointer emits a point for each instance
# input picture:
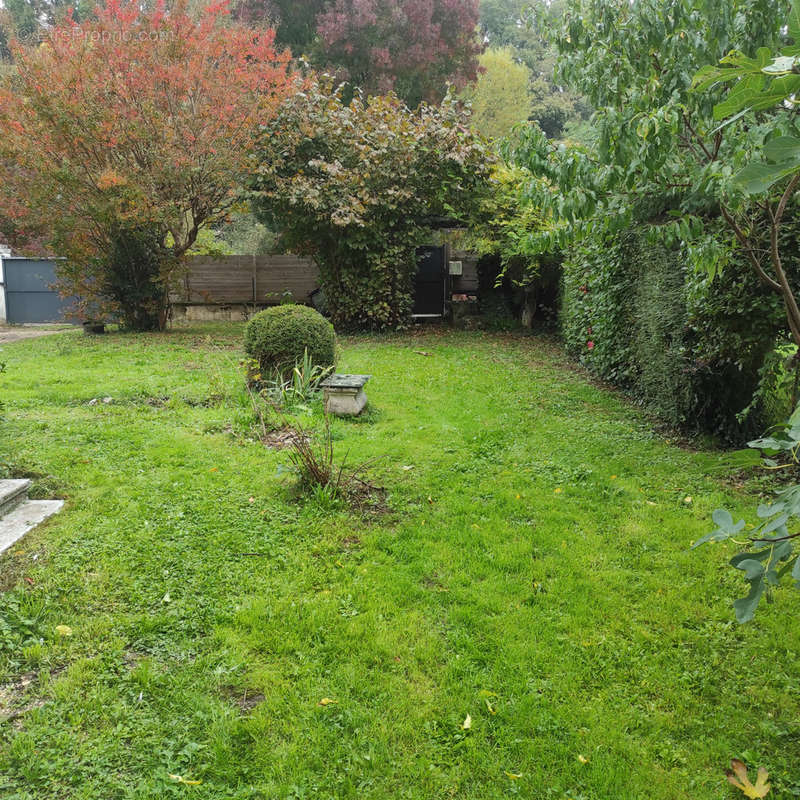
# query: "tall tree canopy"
(500, 98)
(660, 151)
(523, 27)
(412, 47)
(135, 122)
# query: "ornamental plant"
(135, 123)
(356, 186)
(280, 337)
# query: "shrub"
(279, 337)
(688, 347)
(356, 185)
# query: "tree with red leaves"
(124, 135)
(413, 47)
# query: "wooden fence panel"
(278, 274)
(246, 279)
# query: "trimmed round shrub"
(278, 337)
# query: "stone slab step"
(12, 493)
(25, 517)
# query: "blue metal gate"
(29, 293)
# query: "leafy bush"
(134, 281)
(770, 552)
(688, 347)
(283, 336)
(356, 186)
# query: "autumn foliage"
(133, 124)
(357, 186)
(412, 47)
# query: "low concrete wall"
(213, 312)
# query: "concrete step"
(26, 516)
(12, 493)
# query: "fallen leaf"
(422, 353)
(213, 469)
(489, 706)
(583, 759)
(326, 701)
(737, 776)
(28, 580)
(63, 630)
(407, 467)
(467, 723)
(251, 500)
(515, 776)
(613, 477)
(687, 499)
(184, 781)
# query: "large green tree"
(766, 83)
(660, 153)
(523, 27)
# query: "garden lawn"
(532, 575)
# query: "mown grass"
(533, 572)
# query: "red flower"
(590, 344)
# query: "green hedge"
(687, 347)
(279, 336)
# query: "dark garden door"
(29, 293)
(430, 282)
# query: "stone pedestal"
(344, 395)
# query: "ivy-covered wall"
(687, 347)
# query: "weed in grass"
(328, 484)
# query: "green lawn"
(533, 572)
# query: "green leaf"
(709, 75)
(782, 65)
(726, 528)
(776, 92)
(753, 569)
(757, 178)
(770, 510)
(782, 149)
(793, 23)
(722, 517)
(757, 555)
(745, 607)
(742, 95)
(796, 571)
(774, 524)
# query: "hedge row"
(688, 348)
